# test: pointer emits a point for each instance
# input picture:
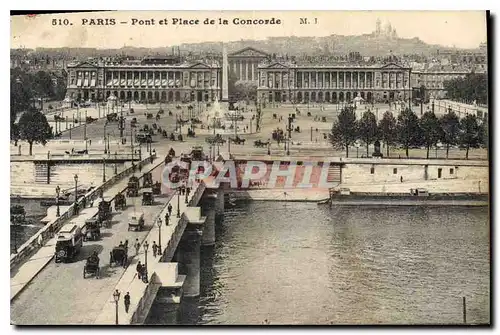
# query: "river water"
(34, 213)
(300, 263)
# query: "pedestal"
(190, 249)
(219, 202)
(208, 238)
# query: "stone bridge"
(43, 292)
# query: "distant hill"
(366, 45)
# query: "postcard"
(250, 168)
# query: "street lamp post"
(58, 190)
(104, 169)
(178, 203)
(146, 246)
(116, 168)
(105, 149)
(159, 223)
(76, 188)
(116, 298)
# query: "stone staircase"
(333, 173)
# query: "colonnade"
(245, 69)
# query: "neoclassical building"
(244, 63)
(433, 76)
(287, 82)
(153, 79)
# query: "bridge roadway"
(60, 295)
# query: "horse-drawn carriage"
(149, 115)
(92, 229)
(104, 213)
(191, 133)
(136, 221)
(147, 179)
(237, 140)
(133, 186)
(171, 152)
(157, 188)
(120, 201)
(90, 119)
(113, 117)
(260, 144)
(119, 256)
(147, 197)
(92, 266)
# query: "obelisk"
(225, 90)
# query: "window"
(440, 172)
(372, 170)
(395, 171)
(451, 171)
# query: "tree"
(450, 125)
(367, 129)
(469, 133)
(484, 132)
(344, 130)
(408, 129)
(474, 87)
(20, 92)
(14, 133)
(245, 90)
(43, 84)
(431, 131)
(34, 128)
(387, 129)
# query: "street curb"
(50, 258)
(31, 279)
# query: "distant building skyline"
(462, 29)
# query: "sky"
(462, 29)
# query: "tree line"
(408, 130)
(473, 87)
(33, 126)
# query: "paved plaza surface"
(309, 141)
(60, 295)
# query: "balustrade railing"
(48, 231)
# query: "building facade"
(286, 82)
(244, 63)
(433, 76)
(150, 80)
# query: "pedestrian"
(155, 248)
(169, 208)
(126, 244)
(137, 246)
(40, 240)
(167, 219)
(138, 268)
(188, 190)
(126, 301)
